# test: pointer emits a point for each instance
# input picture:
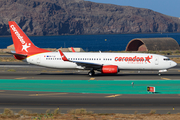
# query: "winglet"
(73, 49)
(63, 56)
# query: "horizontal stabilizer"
(17, 55)
(14, 53)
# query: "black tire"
(91, 73)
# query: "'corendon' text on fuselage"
(133, 59)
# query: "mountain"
(62, 17)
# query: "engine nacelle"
(109, 69)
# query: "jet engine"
(109, 69)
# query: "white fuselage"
(124, 61)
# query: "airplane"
(106, 63)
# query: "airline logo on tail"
(24, 44)
(24, 47)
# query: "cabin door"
(156, 60)
(38, 59)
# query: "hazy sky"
(167, 7)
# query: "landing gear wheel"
(91, 73)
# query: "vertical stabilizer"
(22, 44)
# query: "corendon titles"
(17, 34)
(25, 46)
(134, 59)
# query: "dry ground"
(82, 114)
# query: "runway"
(99, 103)
(20, 70)
(39, 102)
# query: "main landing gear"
(91, 73)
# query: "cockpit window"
(166, 59)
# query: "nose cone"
(173, 64)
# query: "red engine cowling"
(109, 69)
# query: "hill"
(59, 17)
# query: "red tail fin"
(22, 44)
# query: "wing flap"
(88, 65)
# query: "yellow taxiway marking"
(165, 78)
(2, 91)
(113, 96)
(178, 70)
(47, 94)
(21, 78)
(91, 78)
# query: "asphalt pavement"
(37, 101)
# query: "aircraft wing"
(82, 64)
(88, 65)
